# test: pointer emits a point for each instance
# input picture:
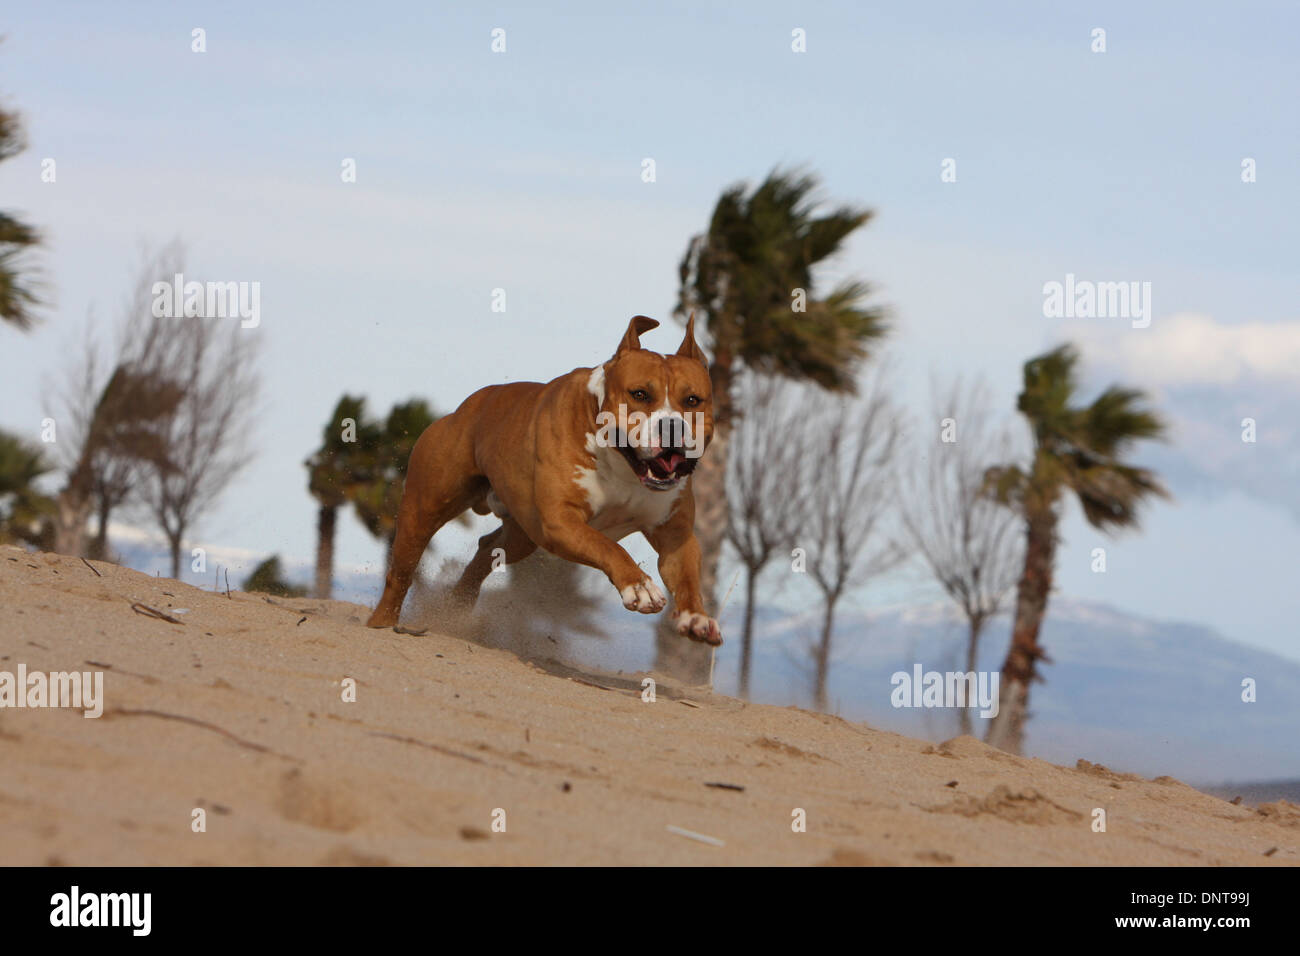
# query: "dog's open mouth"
(663, 470)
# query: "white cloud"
(1207, 378)
(1190, 349)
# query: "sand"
(238, 711)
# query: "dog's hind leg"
(440, 484)
(508, 542)
(414, 531)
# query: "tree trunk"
(327, 518)
(1019, 670)
(820, 696)
(99, 547)
(964, 722)
(174, 543)
(747, 637)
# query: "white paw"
(699, 627)
(644, 597)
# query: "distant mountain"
(1150, 697)
(1256, 793)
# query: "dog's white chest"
(620, 504)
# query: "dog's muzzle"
(665, 461)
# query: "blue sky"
(522, 171)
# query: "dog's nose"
(672, 432)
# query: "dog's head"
(657, 410)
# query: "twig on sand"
(688, 703)
(579, 680)
(163, 715)
(92, 567)
(296, 610)
(420, 743)
(287, 607)
(148, 611)
(727, 786)
(692, 835)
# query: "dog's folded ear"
(632, 338)
(689, 347)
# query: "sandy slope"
(238, 711)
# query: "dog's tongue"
(666, 463)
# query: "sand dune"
(238, 710)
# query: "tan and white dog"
(573, 466)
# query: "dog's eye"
(640, 394)
(692, 401)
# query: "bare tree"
(765, 469)
(967, 540)
(162, 420)
(109, 403)
(847, 499)
(207, 435)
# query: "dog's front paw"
(644, 596)
(699, 627)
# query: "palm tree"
(268, 578)
(363, 465)
(25, 513)
(749, 278)
(17, 297)
(376, 494)
(1076, 449)
(331, 475)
